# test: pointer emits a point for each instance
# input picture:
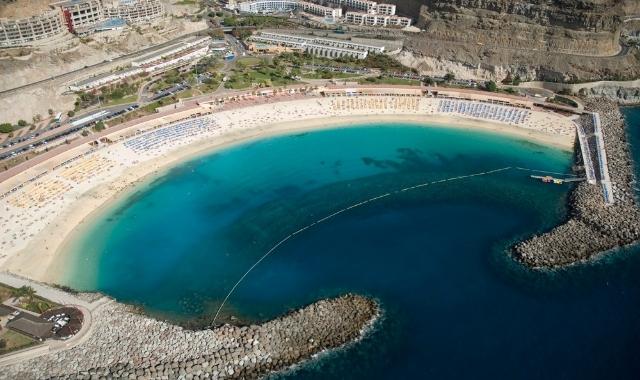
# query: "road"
(52, 133)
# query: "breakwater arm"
(124, 344)
(593, 227)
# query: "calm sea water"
(456, 305)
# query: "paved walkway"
(56, 295)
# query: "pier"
(594, 154)
(557, 181)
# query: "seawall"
(592, 227)
(124, 344)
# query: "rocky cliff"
(588, 27)
(554, 40)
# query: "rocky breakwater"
(593, 227)
(124, 344)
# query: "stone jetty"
(593, 227)
(127, 345)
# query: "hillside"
(565, 40)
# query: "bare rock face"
(589, 27)
(551, 40)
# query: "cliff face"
(556, 40)
(591, 15)
(586, 27)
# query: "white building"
(80, 14)
(170, 51)
(369, 19)
(279, 6)
(104, 79)
(324, 47)
(135, 11)
(320, 10)
(31, 30)
(365, 5)
(385, 9)
(179, 60)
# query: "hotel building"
(275, 6)
(80, 14)
(323, 47)
(32, 30)
(369, 19)
(135, 11)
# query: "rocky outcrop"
(550, 40)
(124, 344)
(589, 27)
(593, 227)
(622, 95)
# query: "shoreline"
(157, 349)
(592, 230)
(48, 257)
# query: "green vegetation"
(13, 341)
(208, 65)
(389, 80)
(490, 86)
(120, 93)
(515, 80)
(22, 123)
(6, 128)
(249, 61)
(448, 77)
(71, 113)
(99, 126)
(23, 291)
(373, 61)
(37, 305)
(563, 101)
(28, 300)
(262, 74)
(124, 100)
(326, 74)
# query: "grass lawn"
(390, 80)
(14, 341)
(123, 100)
(185, 94)
(328, 75)
(249, 61)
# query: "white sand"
(40, 219)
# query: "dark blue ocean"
(455, 304)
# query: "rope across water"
(359, 204)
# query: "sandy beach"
(47, 236)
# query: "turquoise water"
(455, 303)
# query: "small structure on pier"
(557, 181)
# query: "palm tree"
(23, 291)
